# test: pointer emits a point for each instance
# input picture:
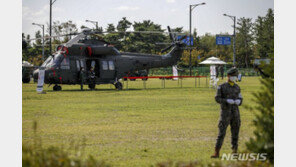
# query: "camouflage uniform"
(229, 113)
(92, 77)
(81, 78)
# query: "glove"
(237, 101)
(230, 101)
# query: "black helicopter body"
(108, 64)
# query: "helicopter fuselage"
(108, 64)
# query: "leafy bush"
(215, 164)
(34, 155)
(55, 157)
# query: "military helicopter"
(108, 64)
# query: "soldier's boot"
(216, 154)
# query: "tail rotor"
(174, 41)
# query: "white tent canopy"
(27, 64)
(213, 60)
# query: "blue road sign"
(186, 40)
(223, 40)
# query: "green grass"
(135, 127)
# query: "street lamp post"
(42, 26)
(234, 35)
(94, 22)
(50, 16)
(191, 7)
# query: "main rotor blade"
(168, 48)
(162, 43)
(53, 36)
(143, 32)
(171, 35)
(75, 39)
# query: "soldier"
(81, 77)
(217, 71)
(229, 97)
(222, 71)
(92, 77)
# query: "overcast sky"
(175, 13)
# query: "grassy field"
(135, 127)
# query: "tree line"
(254, 39)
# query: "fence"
(199, 71)
(165, 82)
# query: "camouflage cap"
(233, 71)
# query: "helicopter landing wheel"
(118, 85)
(57, 88)
(26, 80)
(91, 86)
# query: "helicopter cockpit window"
(57, 60)
(82, 63)
(65, 63)
(47, 62)
(111, 65)
(104, 65)
(78, 65)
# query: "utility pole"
(42, 26)
(234, 36)
(50, 19)
(190, 67)
(191, 7)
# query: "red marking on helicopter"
(52, 69)
(89, 51)
(66, 50)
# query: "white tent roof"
(213, 60)
(27, 64)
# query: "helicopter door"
(66, 71)
(107, 69)
(96, 67)
(93, 64)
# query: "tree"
(264, 35)
(38, 42)
(67, 28)
(244, 42)
(62, 28)
(263, 142)
(123, 24)
(142, 42)
(83, 27)
(110, 28)
(28, 39)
